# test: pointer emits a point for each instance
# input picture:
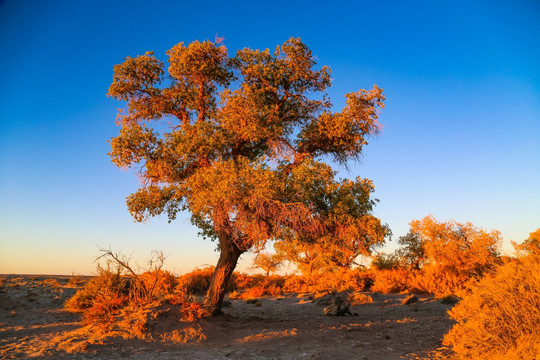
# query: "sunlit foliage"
(121, 301)
(501, 318)
(456, 246)
(440, 258)
(267, 262)
(241, 143)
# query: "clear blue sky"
(461, 135)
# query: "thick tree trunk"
(229, 254)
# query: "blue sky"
(461, 136)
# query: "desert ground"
(33, 324)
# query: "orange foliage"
(501, 318)
(391, 281)
(197, 281)
(443, 258)
(246, 148)
(440, 282)
(463, 248)
(338, 281)
(112, 300)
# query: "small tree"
(530, 246)
(411, 253)
(458, 247)
(268, 263)
(240, 143)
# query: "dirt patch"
(33, 324)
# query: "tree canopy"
(242, 143)
(461, 247)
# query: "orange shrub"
(253, 293)
(111, 295)
(106, 285)
(103, 310)
(191, 310)
(501, 318)
(441, 282)
(158, 282)
(391, 281)
(196, 282)
(241, 281)
(262, 285)
(339, 281)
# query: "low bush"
(119, 300)
(338, 281)
(441, 282)
(197, 281)
(75, 281)
(391, 281)
(260, 286)
(500, 319)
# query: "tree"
(241, 144)
(267, 262)
(455, 246)
(412, 251)
(352, 230)
(531, 245)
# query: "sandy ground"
(33, 324)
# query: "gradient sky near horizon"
(461, 137)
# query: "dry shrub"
(253, 293)
(442, 282)
(261, 286)
(51, 282)
(159, 281)
(391, 281)
(196, 282)
(235, 295)
(108, 284)
(501, 318)
(147, 306)
(242, 281)
(75, 281)
(338, 281)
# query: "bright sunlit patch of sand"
(269, 335)
(405, 320)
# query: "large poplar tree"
(242, 144)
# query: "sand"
(33, 324)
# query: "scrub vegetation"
(497, 313)
(246, 145)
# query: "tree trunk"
(229, 254)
